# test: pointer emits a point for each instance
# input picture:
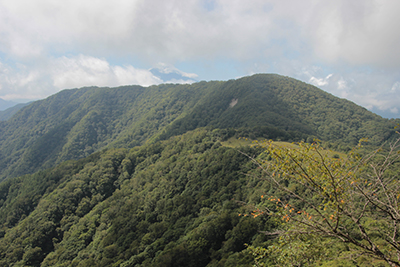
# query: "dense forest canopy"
(157, 176)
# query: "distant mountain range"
(4, 104)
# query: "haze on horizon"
(347, 48)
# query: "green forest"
(260, 171)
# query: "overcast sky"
(346, 47)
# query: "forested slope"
(172, 203)
(8, 113)
(175, 202)
(75, 123)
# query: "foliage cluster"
(350, 202)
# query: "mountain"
(170, 74)
(135, 176)
(4, 104)
(76, 123)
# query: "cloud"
(153, 30)
(85, 71)
(166, 69)
(33, 82)
(362, 33)
(395, 87)
(357, 32)
(375, 91)
(320, 81)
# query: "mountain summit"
(170, 74)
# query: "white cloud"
(33, 82)
(395, 87)
(179, 81)
(341, 84)
(130, 75)
(320, 81)
(85, 71)
(371, 90)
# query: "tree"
(351, 199)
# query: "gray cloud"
(358, 32)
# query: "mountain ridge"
(78, 122)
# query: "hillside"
(170, 203)
(135, 176)
(164, 204)
(76, 123)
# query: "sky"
(347, 48)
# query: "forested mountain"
(75, 123)
(135, 176)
